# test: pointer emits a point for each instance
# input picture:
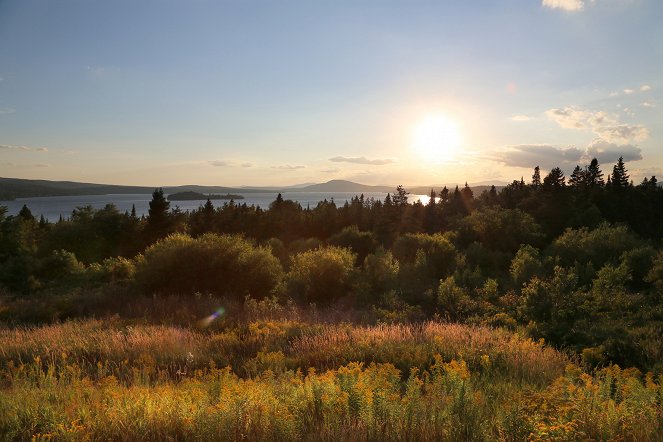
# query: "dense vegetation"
(576, 264)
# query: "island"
(192, 196)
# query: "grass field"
(294, 380)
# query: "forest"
(530, 313)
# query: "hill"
(12, 188)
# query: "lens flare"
(211, 318)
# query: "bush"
(223, 265)
(361, 243)
(321, 275)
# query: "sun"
(436, 137)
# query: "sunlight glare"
(436, 137)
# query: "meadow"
(293, 379)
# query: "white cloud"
(647, 104)
(574, 118)
(566, 5)
(622, 133)
(226, 163)
(23, 148)
(362, 160)
(614, 94)
(628, 91)
(645, 88)
(288, 167)
(520, 118)
(603, 124)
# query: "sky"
(260, 93)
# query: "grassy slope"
(290, 380)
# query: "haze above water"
(53, 207)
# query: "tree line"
(577, 261)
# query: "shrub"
(321, 275)
(361, 243)
(225, 265)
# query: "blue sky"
(285, 92)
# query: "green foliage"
(321, 275)
(602, 245)
(453, 301)
(525, 265)
(379, 275)
(499, 229)
(218, 264)
(361, 243)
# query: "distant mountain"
(342, 186)
(12, 188)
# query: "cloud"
(41, 165)
(622, 133)
(332, 170)
(603, 124)
(23, 148)
(574, 118)
(6, 110)
(628, 91)
(645, 88)
(606, 152)
(288, 167)
(362, 160)
(520, 118)
(548, 156)
(566, 5)
(543, 155)
(647, 104)
(225, 163)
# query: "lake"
(53, 207)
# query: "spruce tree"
(620, 178)
(536, 178)
(593, 174)
(577, 178)
(158, 218)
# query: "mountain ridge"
(13, 188)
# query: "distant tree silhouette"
(159, 222)
(594, 175)
(577, 178)
(536, 178)
(620, 178)
(555, 179)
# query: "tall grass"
(291, 380)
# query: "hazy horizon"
(379, 93)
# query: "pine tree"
(158, 218)
(400, 197)
(593, 174)
(620, 178)
(536, 178)
(555, 179)
(577, 178)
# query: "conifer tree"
(536, 178)
(577, 178)
(554, 179)
(620, 178)
(593, 174)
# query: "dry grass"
(290, 380)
